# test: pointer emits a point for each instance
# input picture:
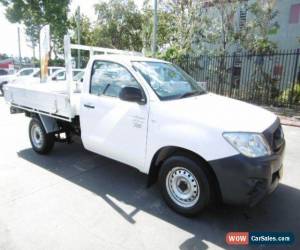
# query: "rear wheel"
(41, 142)
(184, 184)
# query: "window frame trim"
(108, 61)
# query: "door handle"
(89, 106)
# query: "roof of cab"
(125, 58)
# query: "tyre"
(41, 142)
(1, 88)
(184, 184)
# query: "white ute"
(151, 115)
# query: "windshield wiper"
(193, 93)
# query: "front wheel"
(184, 185)
(41, 142)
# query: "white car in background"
(4, 72)
(53, 69)
(77, 75)
(21, 74)
(35, 76)
(57, 75)
(60, 75)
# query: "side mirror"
(203, 85)
(54, 78)
(132, 94)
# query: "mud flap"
(49, 123)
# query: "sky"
(9, 31)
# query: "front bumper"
(245, 181)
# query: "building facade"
(288, 18)
(288, 36)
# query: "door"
(110, 126)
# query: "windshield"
(168, 81)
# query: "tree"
(36, 13)
(256, 39)
(119, 25)
(86, 30)
(217, 32)
(32, 32)
(263, 24)
(165, 29)
(217, 29)
(182, 21)
(86, 35)
(220, 29)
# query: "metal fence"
(264, 79)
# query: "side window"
(54, 70)
(3, 72)
(75, 72)
(61, 76)
(109, 78)
(26, 72)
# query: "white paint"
(114, 128)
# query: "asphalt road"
(74, 199)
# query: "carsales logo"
(260, 238)
(237, 238)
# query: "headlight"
(249, 144)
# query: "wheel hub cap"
(182, 187)
(37, 136)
